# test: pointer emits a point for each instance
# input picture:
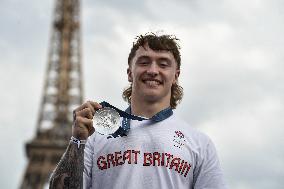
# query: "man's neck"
(147, 109)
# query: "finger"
(87, 123)
(89, 105)
(85, 105)
(85, 113)
(84, 122)
(95, 105)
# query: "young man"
(161, 152)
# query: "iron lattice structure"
(61, 93)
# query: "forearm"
(69, 171)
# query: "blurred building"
(62, 92)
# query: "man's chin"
(151, 97)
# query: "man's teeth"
(152, 83)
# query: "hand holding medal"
(83, 120)
(102, 118)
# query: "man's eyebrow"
(164, 58)
(143, 57)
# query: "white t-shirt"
(166, 154)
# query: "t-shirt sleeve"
(88, 163)
(208, 173)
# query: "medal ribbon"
(127, 116)
(122, 113)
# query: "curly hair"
(156, 43)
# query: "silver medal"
(106, 121)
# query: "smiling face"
(152, 74)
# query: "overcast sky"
(232, 73)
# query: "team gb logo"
(179, 139)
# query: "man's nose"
(153, 68)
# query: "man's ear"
(129, 74)
(176, 76)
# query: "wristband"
(77, 141)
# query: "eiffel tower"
(62, 92)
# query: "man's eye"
(144, 63)
(164, 64)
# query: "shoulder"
(188, 130)
(198, 142)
